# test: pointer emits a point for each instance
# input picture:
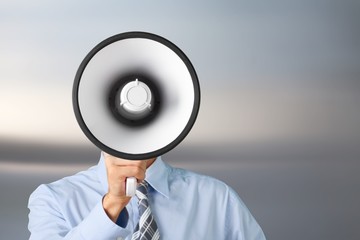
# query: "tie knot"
(142, 190)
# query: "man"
(92, 205)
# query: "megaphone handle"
(131, 184)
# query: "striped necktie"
(146, 229)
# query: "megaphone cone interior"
(136, 95)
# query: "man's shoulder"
(67, 186)
(183, 174)
(195, 180)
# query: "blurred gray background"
(280, 110)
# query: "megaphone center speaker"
(134, 100)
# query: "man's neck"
(150, 162)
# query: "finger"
(120, 172)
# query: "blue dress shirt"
(185, 206)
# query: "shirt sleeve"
(46, 221)
(240, 223)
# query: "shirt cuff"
(97, 225)
(123, 218)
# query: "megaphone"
(136, 96)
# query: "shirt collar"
(156, 175)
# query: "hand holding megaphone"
(123, 175)
(120, 173)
